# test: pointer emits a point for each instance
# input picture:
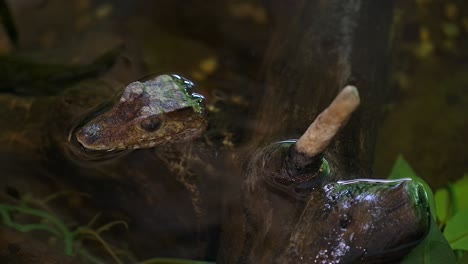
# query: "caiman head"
(157, 111)
(294, 209)
(359, 221)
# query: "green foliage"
(72, 237)
(49, 222)
(52, 224)
(444, 208)
(451, 199)
(452, 212)
(456, 230)
(449, 206)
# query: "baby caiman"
(88, 146)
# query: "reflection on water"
(376, 181)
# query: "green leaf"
(443, 205)
(452, 199)
(460, 194)
(402, 169)
(434, 249)
(456, 230)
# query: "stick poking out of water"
(328, 123)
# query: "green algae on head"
(186, 86)
(157, 111)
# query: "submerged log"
(310, 200)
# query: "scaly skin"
(151, 113)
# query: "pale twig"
(328, 123)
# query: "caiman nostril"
(88, 134)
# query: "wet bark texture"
(317, 48)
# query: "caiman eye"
(151, 123)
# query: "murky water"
(220, 45)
